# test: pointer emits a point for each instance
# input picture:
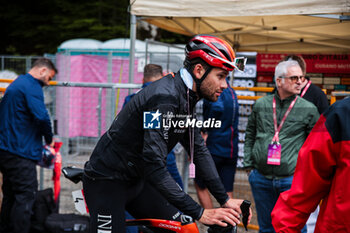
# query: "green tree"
(39, 26)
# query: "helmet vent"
(223, 50)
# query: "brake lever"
(245, 213)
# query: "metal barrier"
(336, 94)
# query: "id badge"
(192, 170)
(274, 154)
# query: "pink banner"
(77, 107)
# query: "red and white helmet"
(214, 51)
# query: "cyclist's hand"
(218, 215)
(235, 205)
(52, 144)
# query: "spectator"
(276, 130)
(310, 91)
(222, 142)
(24, 122)
(322, 173)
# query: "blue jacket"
(223, 141)
(24, 118)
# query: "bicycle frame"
(174, 226)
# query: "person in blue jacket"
(222, 142)
(24, 122)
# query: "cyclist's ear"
(198, 71)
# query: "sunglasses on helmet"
(239, 62)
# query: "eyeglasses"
(295, 78)
(238, 63)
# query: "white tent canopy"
(118, 44)
(299, 26)
(81, 43)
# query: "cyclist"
(127, 169)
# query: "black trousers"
(107, 201)
(19, 189)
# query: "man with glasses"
(276, 130)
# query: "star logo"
(151, 120)
(156, 115)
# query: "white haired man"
(276, 130)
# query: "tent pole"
(132, 47)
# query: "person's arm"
(322, 102)
(312, 180)
(35, 103)
(313, 117)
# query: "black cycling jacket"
(129, 152)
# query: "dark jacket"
(223, 141)
(316, 96)
(131, 152)
(24, 118)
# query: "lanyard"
(306, 88)
(190, 130)
(278, 129)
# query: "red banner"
(315, 63)
(264, 78)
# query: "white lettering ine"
(106, 221)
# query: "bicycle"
(187, 225)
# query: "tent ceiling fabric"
(274, 27)
(214, 8)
